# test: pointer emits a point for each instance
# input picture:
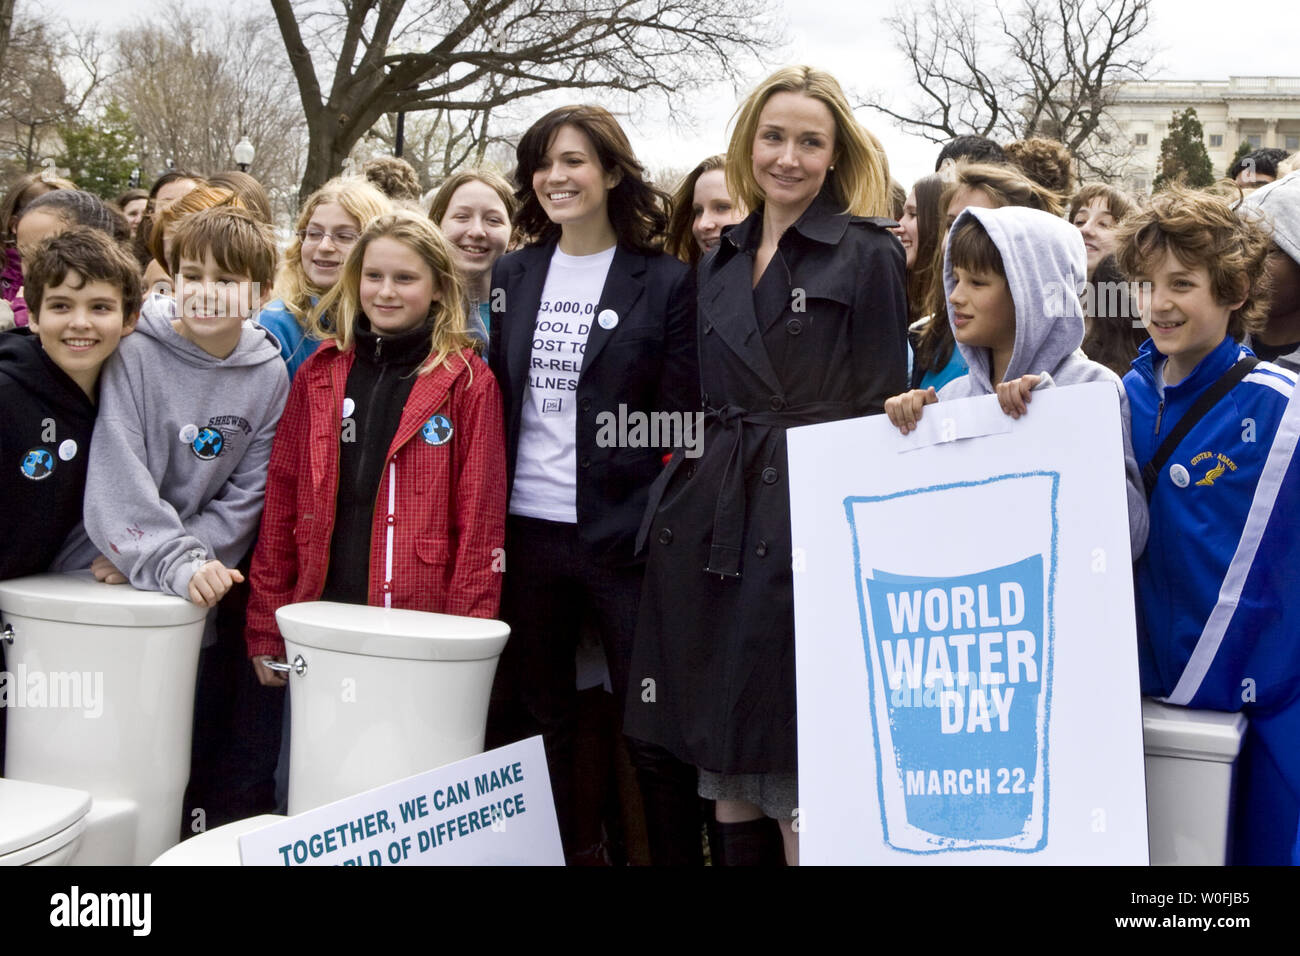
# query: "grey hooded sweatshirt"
(1046, 267)
(1279, 202)
(181, 445)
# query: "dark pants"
(552, 586)
(236, 729)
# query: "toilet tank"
(1190, 764)
(382, 694)
(107, 679)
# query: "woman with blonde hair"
(802, 318)
(331, 221)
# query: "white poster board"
(492, 809)
(965, 640)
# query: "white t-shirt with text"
(546, 463)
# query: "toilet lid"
(33, 812)
(77, 598)
(390, 632)
(1171, 731)
(219, 847)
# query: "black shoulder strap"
(1209, 398)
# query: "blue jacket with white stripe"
(1219, 584)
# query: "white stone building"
(1262, 110)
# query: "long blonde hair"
(860, 179)
(360, 200)
(335, 316)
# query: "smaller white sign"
(494, 809)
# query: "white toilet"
(101, 706)
(1190, 762)
(40, 825)
(378, 694)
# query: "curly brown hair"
(1201, 229)
(1046, 161)
(394, 177)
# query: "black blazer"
(647, 362)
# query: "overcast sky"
(1195, 39)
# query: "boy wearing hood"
(1279, 340)
(187, 414)
(1217, 432)
(1013, 277)
(83, 291)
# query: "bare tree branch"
(478, 55)
(1057, 65)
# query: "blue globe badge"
(208, 443)
(39, 463)
(437, 430)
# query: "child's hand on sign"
(1014, 395)
(904, 410)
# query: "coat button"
(761, 550)
(585, 463)
(392, 519)
(777, 403)
(794, 326)
(585, 404)
(770, 476)
(388, 586)
(665, 536)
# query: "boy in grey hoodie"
(187, 413)
(1013, 277)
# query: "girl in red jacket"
(387, 478)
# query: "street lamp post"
(244, 153)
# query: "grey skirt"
(776, 794)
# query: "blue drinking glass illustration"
(959, 666)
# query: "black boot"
(752, 843)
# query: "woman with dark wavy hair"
(592, 325)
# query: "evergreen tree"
(1182, 153)
(98, 154)
(1242, 150)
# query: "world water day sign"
(966, 656)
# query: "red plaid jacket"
(439, 523)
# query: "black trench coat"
(822, 337)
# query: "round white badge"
(1179, 476)
(189, 433)
(608, 318)
(68, 450)
(349, 407)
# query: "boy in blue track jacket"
(1219, 626)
